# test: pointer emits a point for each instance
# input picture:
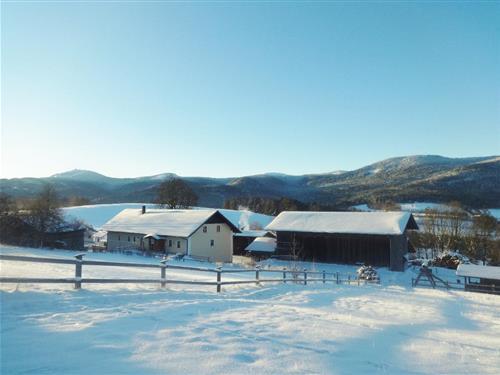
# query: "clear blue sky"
(226, 89)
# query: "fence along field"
(285, 275)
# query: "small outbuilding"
(375, 238)
(246, 237)
(261, 247)
(480, 278)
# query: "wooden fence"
(286, 276)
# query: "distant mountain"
(432, 178)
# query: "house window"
(128, 238)
(212, 242)
(178, 244)
(134, 238)
(204, 229)
(218, 228)
(169, 243)
(119, 239)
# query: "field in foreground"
(317, 328)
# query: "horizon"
(240, 89)
(339, 171)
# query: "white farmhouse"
(202, 234)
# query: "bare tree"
(175, 193)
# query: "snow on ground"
(270, 329)
(98, 214)
(495, 212)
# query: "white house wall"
(122, 240)
(222, 251)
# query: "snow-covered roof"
(162, 222)
(262, 244)
(252, 233)
(483, 272)
(383, 223)
(245, 219)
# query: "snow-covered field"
(420, 207)
(270, 329)
(97, 215)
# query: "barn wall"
(376, 250)
(399, 247)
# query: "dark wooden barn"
(72, 239)
(375, 238)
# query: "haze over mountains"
(475, 182)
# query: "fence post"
(163, 273)
(305, 276)
(284, 275)
(78, 271)
(337, 277)
(218, 278)
(324, 276)
(257, 269)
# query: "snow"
(495, 212)
(246, 219)
(386, 223)
(422, 206)
(98, 214)
(163, 222)
(262, 244)
(268, 329)
(472, 270)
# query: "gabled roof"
(262, 244)
(483, 272)
(382, 223)
(164, 222)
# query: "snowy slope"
(98, 214)
(291, 328)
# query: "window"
(178, 244)
(218, 228)
(204, 229)
(119, 239)
(212, 242)
(134, 238)
(169, 243)
(128, 238)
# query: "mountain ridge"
(474, 181)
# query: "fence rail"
(286, 275)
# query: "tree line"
(274, 206)
(475, 234)
(27, 223)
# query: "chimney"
(143, 210)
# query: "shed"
(375, 238)
(245, 237)
(261, 247)
(480, 278)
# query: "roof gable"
(378, 223)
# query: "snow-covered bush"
(368, 273)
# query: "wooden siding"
(376, 250)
